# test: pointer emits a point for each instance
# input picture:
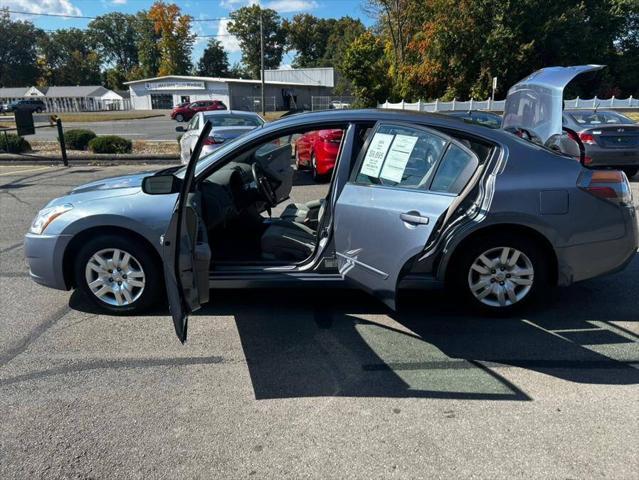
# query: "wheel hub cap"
(115, 277)
(501, 277)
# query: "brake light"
(611, 185)
(587, 160)
(587, 138)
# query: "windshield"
(600, 118)
(233, 120)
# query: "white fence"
(498, 105)
(76, 104)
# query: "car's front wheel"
(500, 273)
(179, 117)
(118, 274)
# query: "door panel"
(186, 251)
(387, 212)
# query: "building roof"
(12, 92)
(213, 79)
(77, 91)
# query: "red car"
(184, 112)
(318, 150)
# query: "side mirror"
(180, 128)
(160, 185)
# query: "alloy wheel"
(115, 277)
(501, 277)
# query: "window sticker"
(397, 158)
(376, 153)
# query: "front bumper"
(44, 255)
(589, 260)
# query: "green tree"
(308, 35)
(147, 47)
(115, 35)
(245, 25)
(176, 40)
(365, 65)
(214, 61)
(18, 50)
(70, 58)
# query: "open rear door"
(187, 254)
(405, 179)
(535, 104)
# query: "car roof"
(591, 111)
(235, 113)
(389, 115)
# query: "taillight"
(587, 138)
(611, 185)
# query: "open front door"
(405, 179)
(187, 254)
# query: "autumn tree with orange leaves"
(176, 40)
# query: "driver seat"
(287, 240)
(305, 213)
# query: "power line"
(83, 17)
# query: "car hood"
(536, 102)
(113, 184)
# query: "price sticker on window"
(376, 153)
(397, 158)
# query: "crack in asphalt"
(25, 342)
(113, 365)
(16, 198)
(12, 247)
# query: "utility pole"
(262, 60)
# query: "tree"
(245, 25)
(69, 58)
(176, 39)
(238, 70)
(365, 65)
(18, 65)
(147, 47)
(115, 35)
(214, 61)
(345, 31)
(308, 35)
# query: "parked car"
(317, 151)
(29, 104)
(227, 125)
(415, 198)
(185, 112)
(610, 138)
(486, 119)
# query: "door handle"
(414, 218)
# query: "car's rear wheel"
(118, 274)
(38, 110)
(500, 273)
(179, 117)
(631, 171)
(317, 177)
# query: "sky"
(198, 9)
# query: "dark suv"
(33, 105)
(183, 112)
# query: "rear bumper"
(44, 256)
(612, 157)
(589, 260)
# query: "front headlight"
(46, 216)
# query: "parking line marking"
(16, 172)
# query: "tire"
(38, 110)
(298, 164)
(465, 271)
(317, 178)
(142, 268)
(179, 117)
(630, 171)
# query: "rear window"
(600, 118)
(234, 121)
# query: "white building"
(68, 98)
(168, 91)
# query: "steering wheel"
(263, 185)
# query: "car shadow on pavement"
(323, 342)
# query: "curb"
(11, 159)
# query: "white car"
(227, 125)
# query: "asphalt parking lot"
(312, 384)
